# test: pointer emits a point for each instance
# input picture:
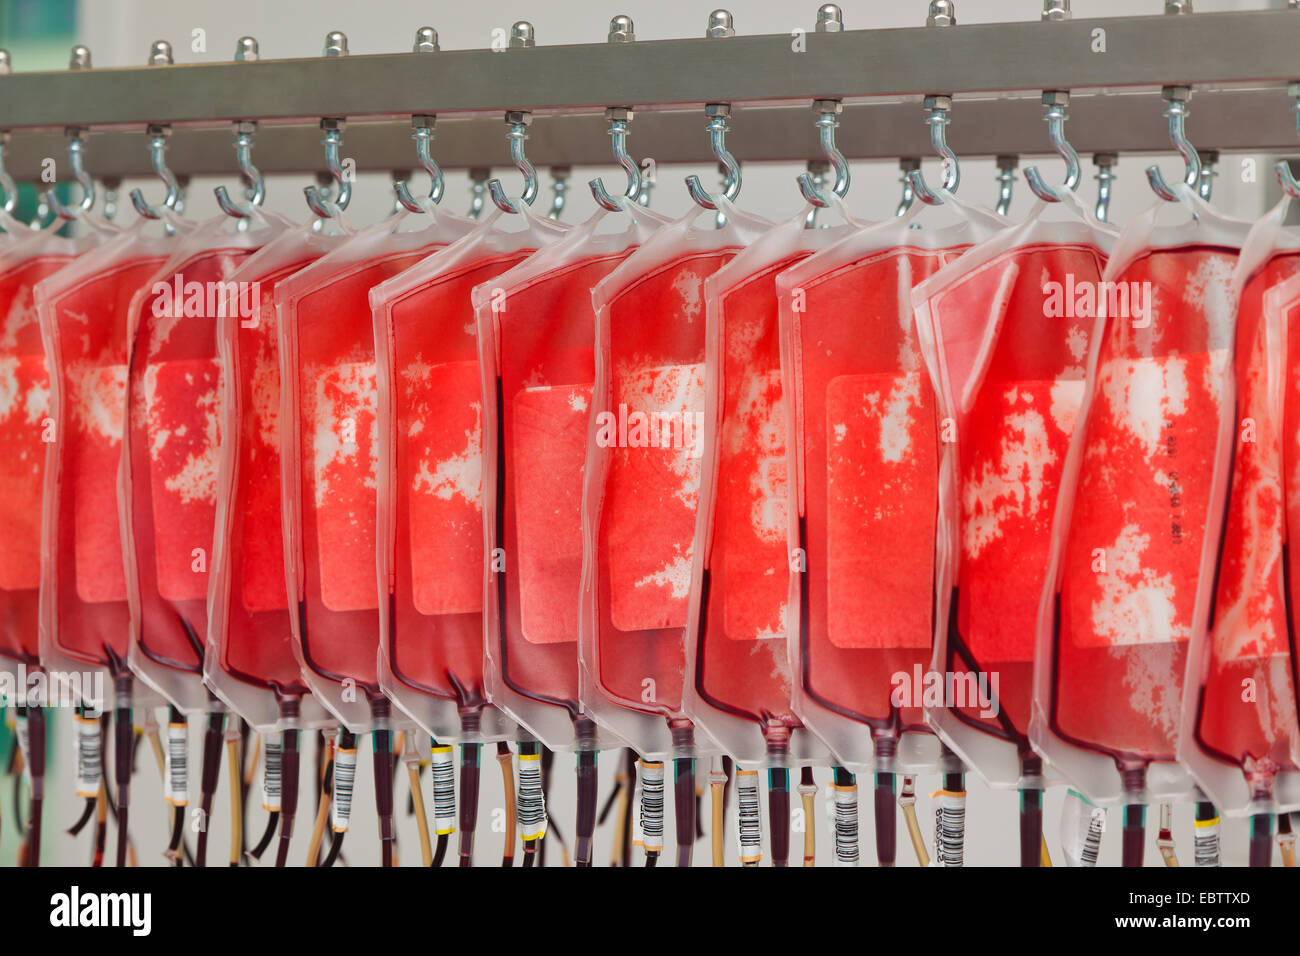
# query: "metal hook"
(320, 203)
(718, 140)
(1176, 111)
(907, 166)
(1105, 176)
(938, 119)
(1285, 178)
(1206, 185)
(422, 132)
(619, 117)
(256, 191)
(1006, 179)
(76, 147)
(1057, 103)
(559, 191)
(519, 121)
(817, 170)
(478, 178)
(7, 185)
(826, 124)
(158, 155)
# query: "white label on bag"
(846, 825)
(1207, 842)
(176, 766)
(24, 744)
(531, 805)
(345, 776)
(652, 806)
(90, 757)
(272, 744)
(950, 827)
(749, 818)
(444, 791)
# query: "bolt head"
(830, 18)
(941, 101)
(621, 30)
(519, 116)
(246, 50)
(522, 35)
(336, 43)
(1056, 10)
(424, 121)
(1056, 97)
(623, 113)
(1176, 7)
(160, 54)
(426, 40)
(942, 14)
(828, 106)
(244, 128)
(721, 24)
(717, 109)
(1175, 92)
(80, 58)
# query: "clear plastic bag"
(84, 314)
(1145, 478)
(430, 468)
(862, 447)
(641, 481)
(1005, 331)
(171, 445)
(249, 661)
(536, 334)
(26, 427)
(738, 684)
(1239, 734)
(329, 458)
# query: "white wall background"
(119, 33)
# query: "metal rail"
(1238, 64)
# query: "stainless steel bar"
(1255, 47)
(1257, 121)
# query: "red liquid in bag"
(173, 442)
(1142, 499)
(25, 422)
(1248, 632)
(869, 441)
(338, 434)
(654, 424)
(256, 644)
(437, 637)
(1012, 447)
(547, 366)
(89, 325)
(742, 652)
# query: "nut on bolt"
(519, 116)
(423, 121)
(1056, 97)
(1293, 89)
(1056, 9)
(621, 30)
(1176, 92)
(830, 18)
(942, 14)
(623, 113)
(938, 102)
(244, 128)
(721, 24)
(828, 106)
(717, 109)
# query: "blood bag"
(172, 440)
(645, 450)
(1145, 478)
(329, 463)
(862, 450)
(1239, 733)
(1005, 330)
(431, 477)
(738, 681)
(26, 428)
(536, 334)
(250, 662)
(84, 311)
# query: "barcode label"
(751, 823)
(950, 827)
(444, 791)
(1207, 842)
(90, 756)
(531, 805)
(274, 747)
(345, 777)
(24, 744)
(846, 825)
(176, 766)
(1092, 842)
(652, 806)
